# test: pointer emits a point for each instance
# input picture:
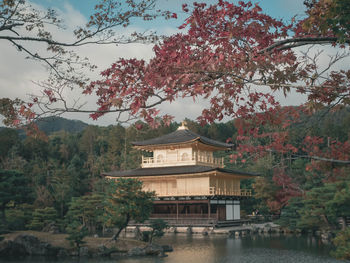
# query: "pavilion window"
(184, 157)
(160, 158)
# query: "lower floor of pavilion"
(203, 211)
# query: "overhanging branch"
(300, 41)
(323, 159)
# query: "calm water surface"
(220, 249)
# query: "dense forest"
(47, 178)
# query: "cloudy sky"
(18, 74)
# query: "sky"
(18, 75)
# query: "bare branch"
(298, 42)
(323, 159)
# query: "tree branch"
(301, 41)
(323, 159)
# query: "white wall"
(173, 155)
(229, 212)
(236, 210)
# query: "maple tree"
(227, 51)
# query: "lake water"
(221, 249)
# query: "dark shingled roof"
(156, 171)
(181, 136)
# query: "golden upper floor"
(182, 147)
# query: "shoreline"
(21, 244)
(237, 231)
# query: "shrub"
(42, 217)
(342, 244)
(18, 218)
(76, 233)
(158, 226)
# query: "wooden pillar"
(217, 212)
(177, 211)
(208, 209)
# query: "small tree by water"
(158, 226)
(76, 233)
(127, 201)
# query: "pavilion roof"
(181, 136)
(173, 170)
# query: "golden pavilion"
(192, 186)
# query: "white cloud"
(73, 18)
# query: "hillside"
(50, 125)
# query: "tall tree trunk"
(115, 236)
(151, 237)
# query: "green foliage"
(87, 210)
(340, 203)
(262, 186)
(325, 15)
(42, 217)
(61, 189)
(127, 201)
(8, 139)
(248, 205)
(320, 208)
(158, 226)
(69, 164)
(78, 175)
(53, 124)
(290, 215)
(34, 148)
(76, 233)
(315, 213)
(67, 182)
(342, 244)
(323, 205)
(18, 217)
(13, 188)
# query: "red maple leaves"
(216, 58)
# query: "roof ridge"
(181, 136)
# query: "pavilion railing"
(195, 159)
(212, 221)
(211, 191)
(184, 216)
(228, 192)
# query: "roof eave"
(148, 147)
